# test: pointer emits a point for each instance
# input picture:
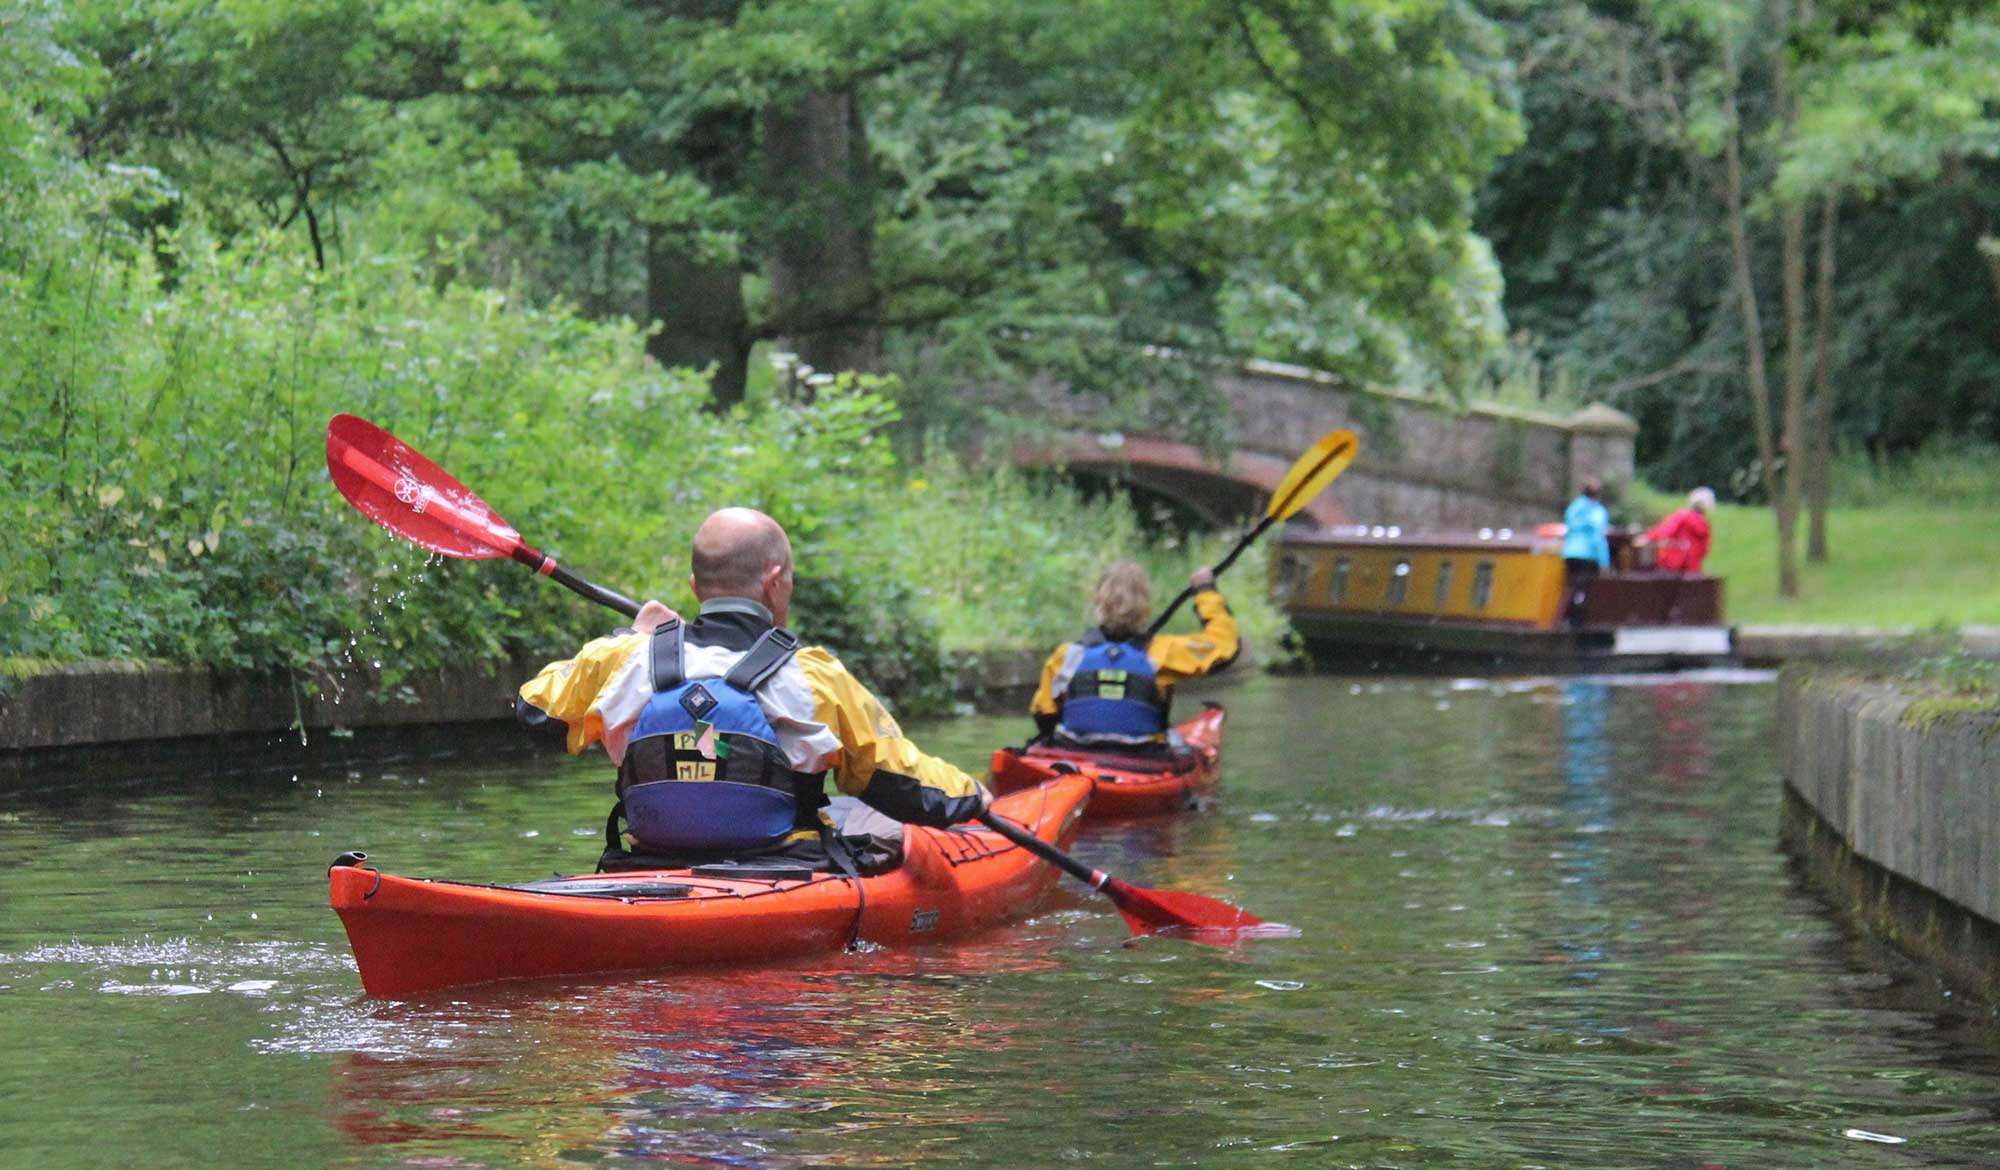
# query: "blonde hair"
(1702, 498)
(1124, 598)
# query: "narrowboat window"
(1399, 583)
(1291, 571)
(1337, 592)
(1482, 585)
(1444, 584)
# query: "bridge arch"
(1221, 492)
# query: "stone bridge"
(1423, 464)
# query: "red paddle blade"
(388, 482)
(1188, 916)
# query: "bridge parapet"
(1423, 463)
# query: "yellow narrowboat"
(1491, 596)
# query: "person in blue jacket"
(1586, 547)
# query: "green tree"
(1291, 179)
(1634, 273)
(1912, 100)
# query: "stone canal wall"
(1776, 645)
(126, 702)
(92, 706)
(1895, 811)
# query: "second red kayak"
(1127, 785)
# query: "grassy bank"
(1893, 564)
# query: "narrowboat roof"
(1395, 536)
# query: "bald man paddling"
(722, 728)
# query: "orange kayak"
(413, 935)
(1125, 785)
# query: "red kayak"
(1127, 785)
(412, 935)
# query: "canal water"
(1542, 923)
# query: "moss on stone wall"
(1925, 714)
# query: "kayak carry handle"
(353, 859)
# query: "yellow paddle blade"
(1310, 475)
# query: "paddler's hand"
(652, 616)
(1203, 578)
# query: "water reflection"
(775, 1067)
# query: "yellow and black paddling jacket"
(777, 728)
(1110, 690)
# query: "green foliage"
(168, 485)
(1896, 105)
(1612, 245)
(1032, 586)
(1957, 673)
(1947, 472)
(1331, 212)
(1953, 684)
(1607, 222)
(1047, 186)
(170, 501)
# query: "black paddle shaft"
(598, 593)
(1249, 538)
(547, 567)
(1042, 849)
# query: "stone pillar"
(1600, 447)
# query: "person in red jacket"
(1683, 537)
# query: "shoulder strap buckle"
(669, 670)
(766, 657)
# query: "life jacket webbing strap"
(838, 852)
(612, 839)
(668, 669)
(766, 657)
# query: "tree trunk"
(699, 305)
(1819, 478)
(1753, 332)
(825, 305)
(1795, 442)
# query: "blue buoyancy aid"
(1114, 694)
(704, 769)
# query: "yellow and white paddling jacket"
(1088, 696)
(822, 717)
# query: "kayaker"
(1586, 547)
(1111, 688)
(723, 727)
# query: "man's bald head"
(735, 550)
